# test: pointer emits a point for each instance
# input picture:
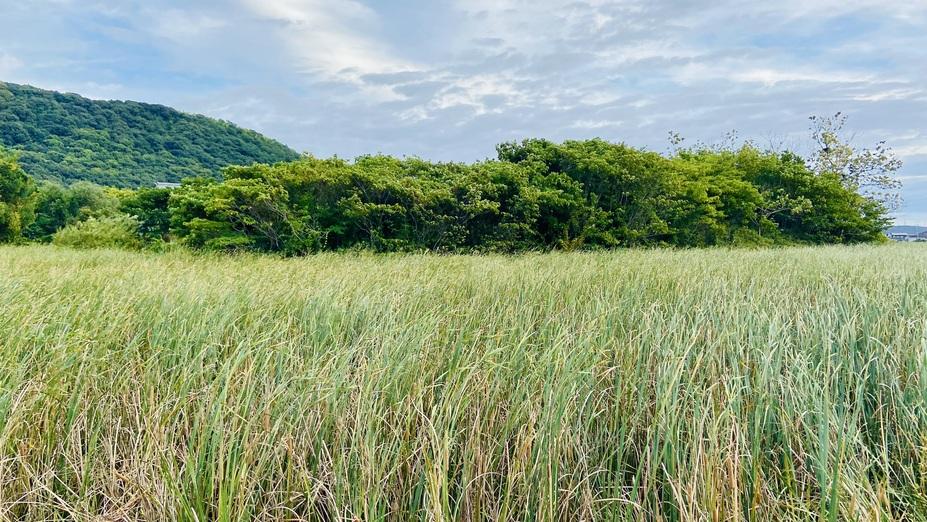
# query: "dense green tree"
(625, 190)
(538, 195)
(377, 202)
(53, 211)
(817, 208)
(149, 206)
(16, 198)
(57, 206)
(237, 214)
(719, 202)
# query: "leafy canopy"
(16, 204)
(538, 195)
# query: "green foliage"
(16, 198)
(57, 207)
(377, 202)
(67, 138)
(537, 196)
(119, 231)
(815, 208)
(615, 195)
(237, 214)
(149, 206)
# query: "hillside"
(66, 137)
(905, 229)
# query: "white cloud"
(599, 98)
(415, 114)
(181, 25)
(638, 51)
(9, 64)
(596, 124)
(473, 91)
(914, 149)
(532, 26)
(745, 71)
(795, 9)
(901, 93)
(331, 40)
(771, 76)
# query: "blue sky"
(448, 79)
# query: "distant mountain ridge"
(67, 138)
(906, 229)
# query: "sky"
(449, 79)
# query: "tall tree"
(867, 171)
(16, 190)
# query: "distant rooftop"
(166, 185)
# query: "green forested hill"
(66, 137)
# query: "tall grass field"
(785, 384)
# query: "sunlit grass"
(672, 385)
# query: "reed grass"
(786, 384)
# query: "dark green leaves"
(538, 196)
(66, 138)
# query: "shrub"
(119, 231)
(57, 206)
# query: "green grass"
(639, 385)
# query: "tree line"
(536, 195)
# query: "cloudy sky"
(448, 79)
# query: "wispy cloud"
(332, 41)
(9, 64)
(183, 26)
(595, 124)
(914, 149)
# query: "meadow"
(720, 384)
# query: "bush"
(119, 231)
(58, 206)
(537, 196)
